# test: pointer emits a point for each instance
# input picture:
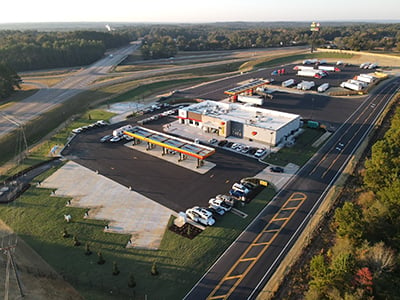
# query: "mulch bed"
(185, 231)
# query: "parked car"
(229, 144)
(227, 199)
(212, 141)
(219, 203)
(245, 149)
(115, 139)
(77, 130)
(237, 194)
(276, 169)
(252, 150)
(106, 138)
(216, 211)
(260, 152)
(240, 187)
(222, 143)
(101, 123)
(127, 137)
(249, 185)
(200, 215)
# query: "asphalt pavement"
(242, 271)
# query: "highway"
(245, 267)
(47, 98)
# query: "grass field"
(41, 151)
(300, 153)
(38, 218)
(286, 59)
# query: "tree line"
(32, 50)
(164, 41)
(9, 80)
(363, 262)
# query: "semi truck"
(298, 68)
(311, 73)
(251, 99)
(362, 83)
(351, 86)
(329, 68)
(305, 85)
(288, 83)
(365, 78)
(120, 131)
(323, 87)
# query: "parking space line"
(296, 196)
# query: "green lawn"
(38, 219)
(42, 151)
(300, 153)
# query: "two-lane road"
(242, 271)
(47, 98)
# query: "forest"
(32, 50)
(164, 41)
(9, 81)
(363, 262)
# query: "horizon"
(207, 11)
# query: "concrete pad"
(190, 163)
(278, 179)
(128, 211)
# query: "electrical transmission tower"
(7, 247)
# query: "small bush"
(101, 260)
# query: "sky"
(203, 11)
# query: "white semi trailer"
(288, 82)
(329, 68)
(251, 99)
(311, 73)
(323, 87)
(305, 85)
(351, 86)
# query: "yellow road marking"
(297, 196)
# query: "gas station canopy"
(170, 142)
(246, 87)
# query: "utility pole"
(21, 146)
(7, 246)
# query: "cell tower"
(8, 244)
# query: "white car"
(106, 138)
(260, 152)
(77, 130)
(200, 215)
(227, 199)
(127, 137)
(101, 123)
(241, 188)
(219, 203)
(115, 139)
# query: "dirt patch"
(38, 279)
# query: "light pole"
(270, 142)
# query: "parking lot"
(167, 183)
(179, 188)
